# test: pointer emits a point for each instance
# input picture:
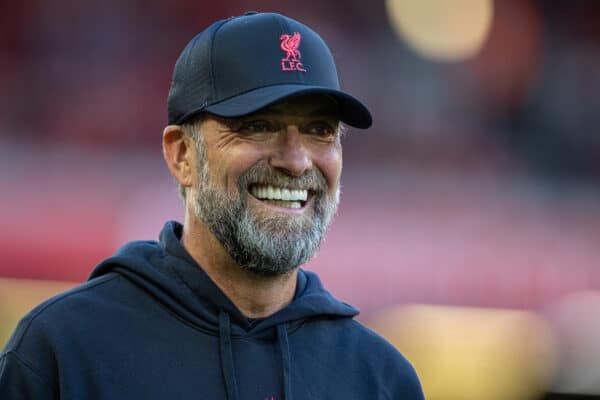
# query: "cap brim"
(351, 110)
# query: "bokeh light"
(576, 319)
(465, 353)
(442, 30)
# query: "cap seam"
(212, 66)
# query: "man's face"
(268, 183)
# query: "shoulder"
(376, 346)
(30, 355)
(355, 350)
(382, 359)
(52, 314)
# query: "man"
(218, 308)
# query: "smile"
(282, 197)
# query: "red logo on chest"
(291, 61)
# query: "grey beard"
(266, 243)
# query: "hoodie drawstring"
(226, 352)
(284, 348)
(227, 356)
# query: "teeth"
(275, 193)
(283, 203)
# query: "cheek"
(329, 163)
(229, 166)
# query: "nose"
(291, 154)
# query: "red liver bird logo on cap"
(290, 44)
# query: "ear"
(178, 151)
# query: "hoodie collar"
(168, 271)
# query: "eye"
(321, 129)
(257, 126)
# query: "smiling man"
(219, 308)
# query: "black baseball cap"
(242, 64)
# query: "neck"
(256, 296)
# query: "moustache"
(262, 174)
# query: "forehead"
(306, 105)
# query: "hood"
(165, 270)
(170, 275)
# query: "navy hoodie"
(150, 324)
